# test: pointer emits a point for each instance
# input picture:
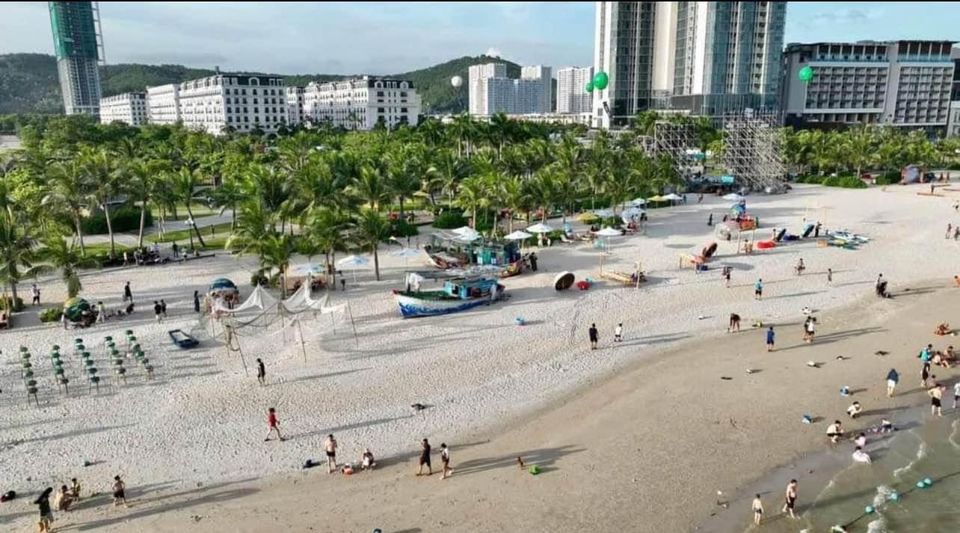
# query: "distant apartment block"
(572, 95)
(953, 120)
(129, 108)
(217, 103)
(492, 92)
(898, 83)
(360, 104)
(294, 101)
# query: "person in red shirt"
(274, 425)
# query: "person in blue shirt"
(892, 379)
(770, 339)
(758, 290)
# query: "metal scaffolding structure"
(753, 152)
(678, 141)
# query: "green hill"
(29, 84)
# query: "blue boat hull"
(413, 307)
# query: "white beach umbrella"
(638, 201)
(517, 236)
(306, 269)
(603, 213)
(540, 228)
(673, 196)
(407, 253)
(353, 262)
(467, 233)
(608, 232)
(733, 197)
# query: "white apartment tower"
(163, 104)
(702, 58)
(899, 83)
(492, 92)
(360, 104)
(572, 95)
(129, 108)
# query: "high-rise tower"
(79, 49)
(702, 58)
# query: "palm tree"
(473, 196)
(69, 189)
(326, 232)
(142, 176)
(255, 225)
(859, 148)
(184, 186)
(372, 229)
(64, 257)
(370, 187)
(406, 171)
(276, 251)
(101, 172)
(17, 253)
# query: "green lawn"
(199, 210)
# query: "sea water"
(900, 459)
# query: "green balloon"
(600, 80)
(588, 87)
(805, 74)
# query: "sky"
(394, 37)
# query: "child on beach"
(274, 425)
(835, 431)
(75, 489)
(936, 396)
(854, 409)
(758, 290)
(119, 491)
(770, 339)
(861, 456)
(618, 333)
(734, 323)
(445, 459)
(892, 378)
(757, 507)
(594, 336)
(367, 461)
(261, 372)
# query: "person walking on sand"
(163, 308)
(425, 458)
(949, 231)
(936, 397)
(829, 276)
(757, 507)
(119, 491)
(127, 293)
(726, 276)
(101, 312)
(274, 425)
(892, 379)
(734, 324)
(617, 333)
(330, 448)
(445, 459)
(810, 329)
(157, 310)
(196, 301)
(594, 336)
(36, 294)
(758, 290)
(75, 489)
(956, 394)
(790, 498)
(924, 374)
(46, 514)
(261, 372)
(771, 337)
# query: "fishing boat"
(457, 294)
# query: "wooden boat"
(182, 339)
(513, 269)
(457, 295)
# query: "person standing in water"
(892, 379)
(790, 498)
(771, 337)
(594, 336)
(261, 372)
(757, 509)
(274, 425)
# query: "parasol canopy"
(638, 201)
(354, 261)
(407, 253)
(603, 213)
(518, 236)
(220, 284)
(467, 233)
(733, 197)
(673, 196)
(540, 228)
(306, 269)
(608, 232)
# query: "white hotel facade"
(129, 108)
(361, 103)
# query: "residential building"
(572, 95)
(79, 49)
(294, 105)
(953, 119)
(492, 92)
(477, 95)
(700, 58)
(220, 102)
(163, 104)
(130, 108)
(897, 83)
(362, 103)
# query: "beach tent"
(259, 299)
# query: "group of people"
(66, 497)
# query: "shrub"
(852, 182)
(402, 228)
(888, 178)
(613, 222)
(126, 218)
(50, 315)
(258, 278)
(7, 300)
(449, 220)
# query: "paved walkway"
(129, 238)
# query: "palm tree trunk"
(13, 292)
(76, 222)
(376, 262)
(143, 219)
(195, 228)
(401, 207)
(106, 214)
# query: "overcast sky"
(386, 38)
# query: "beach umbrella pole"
(356, 340)
(302, 348)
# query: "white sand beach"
(197, 429)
